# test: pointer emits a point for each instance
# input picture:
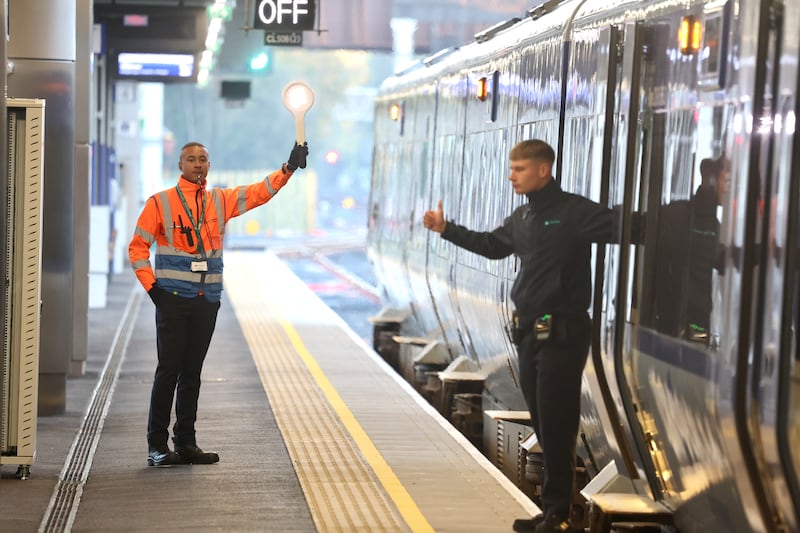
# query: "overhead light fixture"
(218, 13)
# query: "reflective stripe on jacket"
(159, 223)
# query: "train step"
(613, 512)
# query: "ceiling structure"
(183, 25)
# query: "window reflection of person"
(688, 250)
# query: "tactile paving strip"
(342, 490)
(63, 507)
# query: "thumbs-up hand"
(434, 220)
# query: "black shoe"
(527, 524)
(162, 456)
(191, 454)
(554, 524)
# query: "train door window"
(681, 256)
(677, 262)
(446, 168)
(420, 186)
(377, 191)
(781, 360)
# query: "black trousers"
(550, 378)
(184, 327)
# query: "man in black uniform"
(552, 236)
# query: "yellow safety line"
(394, 488)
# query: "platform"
(315, 432)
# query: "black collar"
(545, 195)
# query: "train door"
(484, 180)
(447, 161)
(662, 301)
(387, 204)
(787, 432)
(503, 106)
(590, 113)
(624, 162)
(415, 175)
(767, 384)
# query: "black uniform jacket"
(552, 235)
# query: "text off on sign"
(285, 15)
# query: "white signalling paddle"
(298, 99)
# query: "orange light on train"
(483, 89)
(394, 112)
(697, 36)
(690, 35)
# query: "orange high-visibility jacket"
(185, 270)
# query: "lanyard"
(199, 223)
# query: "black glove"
(298, 157)
(155, 293)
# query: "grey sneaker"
(162, 456)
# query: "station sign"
(283, 38)
(285, 15)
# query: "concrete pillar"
(403, 41)
(83, 180)
(42, 49)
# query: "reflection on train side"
(692, 390)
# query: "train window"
(681, 257)
(713, 55)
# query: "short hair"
(533, 149)
(710, 169)
(193, 143)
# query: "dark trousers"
(550, 378)
(184, 327)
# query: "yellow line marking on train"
(397, 492)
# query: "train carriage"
(691, 394)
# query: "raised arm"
(239, 200)
(494, 244)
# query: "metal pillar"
(3, 187)
(42, 50)
(83, 169)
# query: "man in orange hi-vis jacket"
(187, 224)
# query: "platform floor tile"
(422, 465)
(252, 488)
